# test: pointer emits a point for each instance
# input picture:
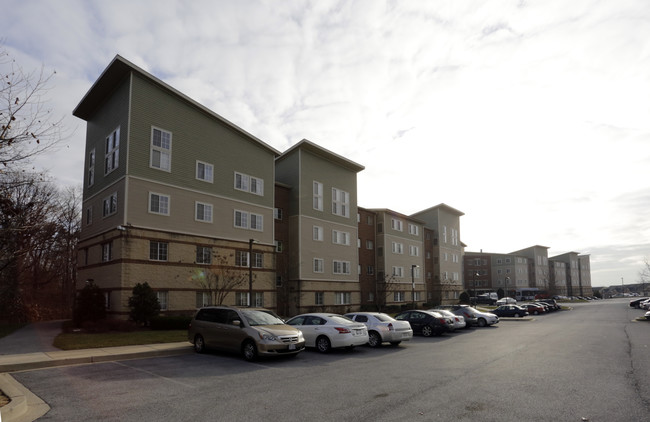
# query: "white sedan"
(383, 328)
(459, 320)
(327, 331)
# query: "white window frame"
(243, 219)
(164, 150)
(397, 247)
(248, 183)
(414, 250)
(319, 298)
(204, 171)
(206, 216)
(164, 203)
(317, 233)
(158, 251)
(318, 196)
(343, 298)
(242, 298)
(340, 238)
(112, 151)
(203, 299)
(109, 205)
(398, 296)
(91, 167)
(163, 299)
(398, 272)
(396, 224)
(256, 222)
(340, 203)
(107, 251)
(319, 265)
(370, 244)
(341, 267)
(201, 258)
(414, 229)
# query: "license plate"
(292, 347)
(405, 335)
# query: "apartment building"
(322, 227)
(558, 271)
(399, 258)
(538, 267)
(373, 296)
(446, 285)
(584, 266)
(572, 268)
(477, 273)
(174, 195)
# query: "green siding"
(196, 135)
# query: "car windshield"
(339, 319)
(261, 318)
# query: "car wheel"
(427, 331)
(536, 313)
(482, 322)
(199, 344)
(323, 344)
(249, 350)
(395, 343)
(516, 315)
(374, 339)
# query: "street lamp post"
(413, 267)
(250, 272)
(506, 280)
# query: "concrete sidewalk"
(31, 348)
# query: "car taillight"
(443, 321)
(342, 330)
(390, 326)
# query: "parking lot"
(590, 362)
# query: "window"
(277, 213)
(318, 196)
(246, 220)
(371, 296)
(91, 167)
(158, 251)
(278, 281)
(203, 299)
(370, 244)
(343, 298)
(369, 220)
(241, 258)
(318, 233)
(259, 299)
(258, 260)
(341, 267)
(203, 255)
(241, 298)
(279, 246)
(318, 265)
(396, 224)
(203, 212)
(158, 204)
(398, 296)
(161, 146)
(397, 247)
(340, 238)
(89, 215)
(414, 250)
(110, 204)
(398, 271)
(248, 183)
(204, 171)
(340, 203)
(370, 270)
(318, 298)
(112, 150)
(454, 237)
(416, 296)
(163, 299)
(107, 251)
(414, 230)
(444, 234)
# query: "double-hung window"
(161, 149)
(112, 151)
(318, 196)
(414, 230)
(414, 250)
(340, 202)
(158, 251)
(341, 267)
(163, 300)
(110, 205)
(318, 265)
(247, 183)
(91, 167)
(398, 271)
(204, 171)
(397, 247)
(396, 224)
(318, 233)
(340, 238)
(245, 220)
(343, 298)
(107, 251)
(203, 255)
(203, 212)
(158, 203)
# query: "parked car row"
(640, 303)
(255, 332)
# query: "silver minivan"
(252, 332)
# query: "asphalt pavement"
(31, 348)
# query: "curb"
(24, 405)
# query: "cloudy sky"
(531, 117)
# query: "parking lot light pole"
(413, 267)
(250, 272)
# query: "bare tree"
(26, 124)
(385, 285)
(644, 275)
(220, 278)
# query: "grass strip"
(75, 341)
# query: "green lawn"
(74, 341)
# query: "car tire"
(323, 344)
(482, 322)
(249, 351)
(199, 344)
(374, 339)
(395, 343)
(516, 315)
(427, 331)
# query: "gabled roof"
(120, 68)
(324, 153)
(397, 214)
(441, 206)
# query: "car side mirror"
(236, 323)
